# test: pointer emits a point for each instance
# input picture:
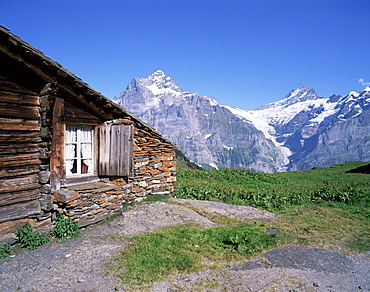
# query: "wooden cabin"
(66, 148)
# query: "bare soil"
(79, 264)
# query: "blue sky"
(244, 53)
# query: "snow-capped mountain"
(298, 124)
(208, 133)
(300, 131)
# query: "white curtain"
(71, 134)
(86, 134)
(86, 147)
(79, 139)
(71, 151)
(69, 166)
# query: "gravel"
(79, 264)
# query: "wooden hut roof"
(38, 70)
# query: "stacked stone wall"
(154, 166)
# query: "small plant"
(65, 228)
(5, 250)
(28, 239)
(236, 242)
(245, 239)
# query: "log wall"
(19, 153)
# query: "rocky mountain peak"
(301, 93)
(157, 74)
(160, 83)
(159, 77)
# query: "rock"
(46, 188)
(46, 202)
(272, 231)
(44, 176)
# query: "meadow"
(322, 207)
(275, 192)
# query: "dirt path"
(78, 264)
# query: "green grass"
(325, 225)
(179, 249)
(321, 207)
(271, 191)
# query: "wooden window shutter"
(115, 150)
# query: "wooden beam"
(19, 159)
(18, 98)
(16, 111)
(19, 148)
(57, 167)
(8, 137)
(19, 170)
(19, 125)
(29, 182)
(14, 87)
(17, 197)
(19, 210)
(83, 101)
(73, 114)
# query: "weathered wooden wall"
(19, 152)
(115, 155)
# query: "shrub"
(5, 250)
(65, 228)
(28, 239)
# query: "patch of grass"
(325, 226)
(180, 249)
(154, 198)
(360, 243)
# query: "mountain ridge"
(279, 136)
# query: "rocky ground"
(78, 264)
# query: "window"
(79, 150)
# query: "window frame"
(79, 157)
